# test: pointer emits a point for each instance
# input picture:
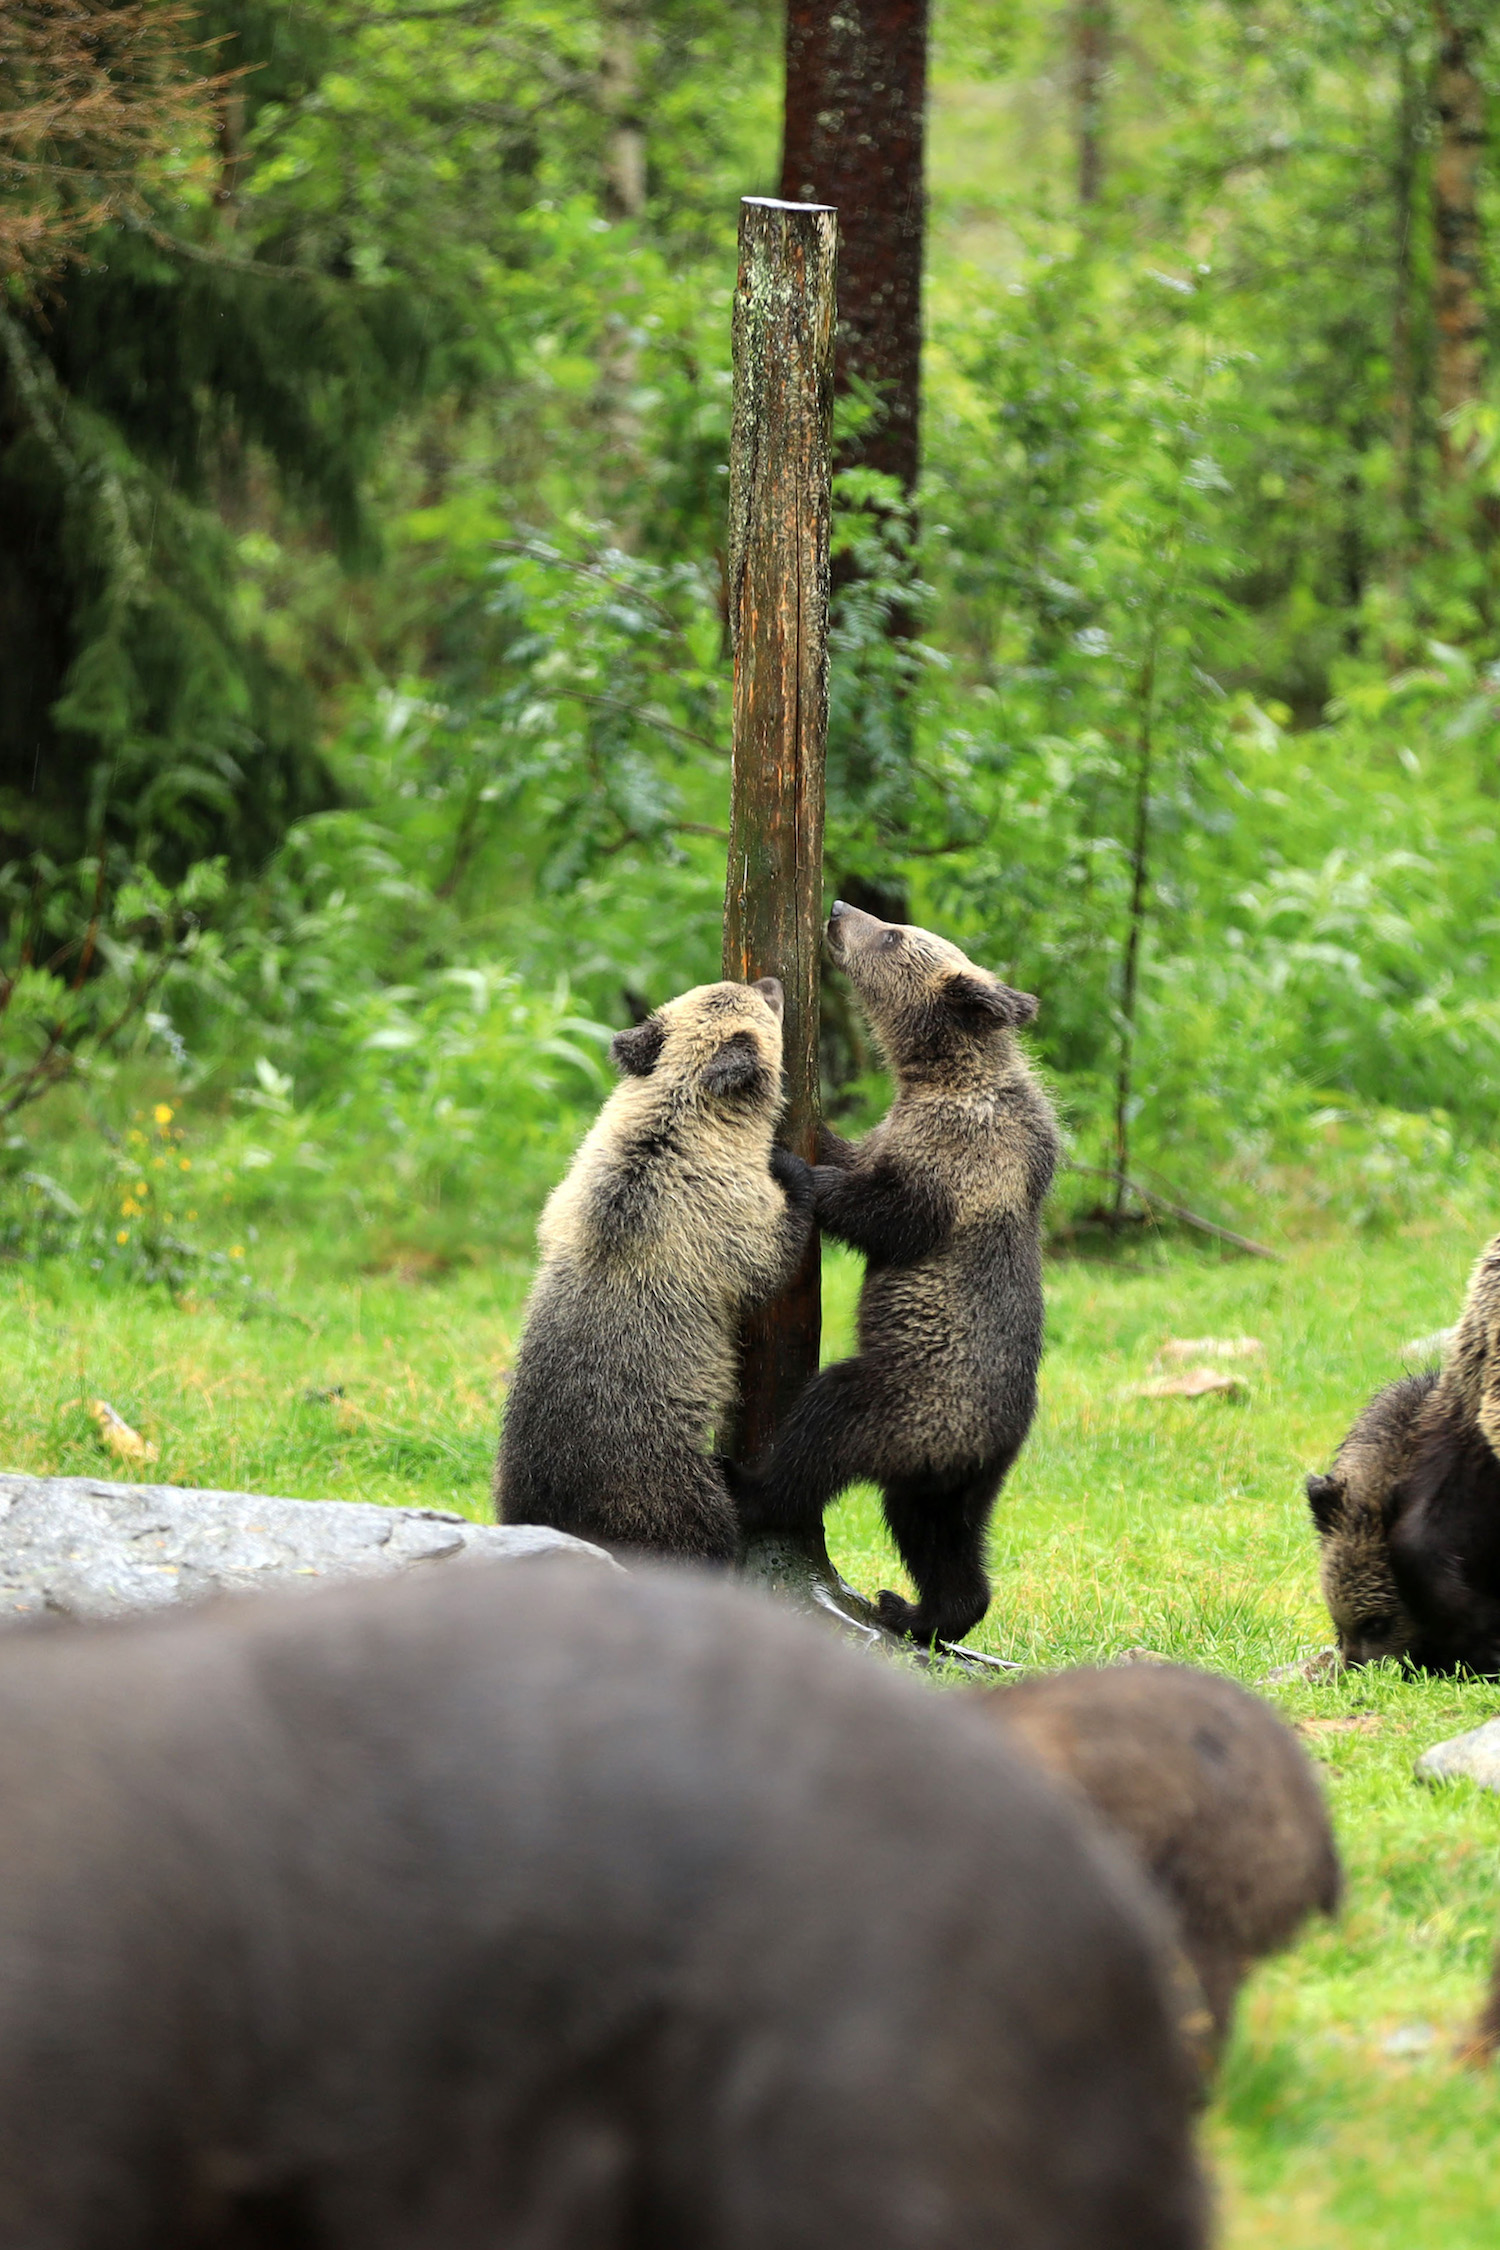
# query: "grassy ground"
(1175, 1525)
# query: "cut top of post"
(775, 203)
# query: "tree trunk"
(1458, 243)
(1410, 118)
(855, 137)
(856, 94)
(778, 613)
(620, 98)
(1092, 28)
(230, 136)
(1135, 926)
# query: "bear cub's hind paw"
(898, 1616)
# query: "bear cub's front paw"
(793, 1173)
(834, 1150)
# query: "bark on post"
(778, 618)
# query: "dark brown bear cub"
(1208, 1790)
(944, 1198)
(1408, 1517)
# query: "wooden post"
(779, 509)
(778, 621)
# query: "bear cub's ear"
(638, 1050)
(994, 1003)
(734, 1069)
(1325, 1497)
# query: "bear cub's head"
(1354, 1566)
(928, 1002)
(717, 1047)
(1353, 1510)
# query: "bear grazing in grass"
(542, 1907)
(944, 1198)
(676, 1216)
(1409, 1515)
(1210, 1793)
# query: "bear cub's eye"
(892, 937)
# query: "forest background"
(364, 402)
(363, 738)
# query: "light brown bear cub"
(944, 1198)
(677, 1215)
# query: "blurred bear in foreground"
(1482, 2043)
(1210, 1792)
(523, 1907)
(1408, 1517)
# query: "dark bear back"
(1208, 1789)
(539, 1905)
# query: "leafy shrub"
(88, 953)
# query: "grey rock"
(1428, 1348)
(1474, 1756)
(76, 1547)
(1323, 1664)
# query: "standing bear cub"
(944, 1198)
(677, 1215)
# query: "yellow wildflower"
(130, 1209)
(192, 1214)
(141, 1188)
(237, 1251)
(163, 1113)
(123, 1235)
(184, 1164)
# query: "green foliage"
(370, 480)
(433, 1114)
(92, 954)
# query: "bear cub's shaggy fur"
(1210, 1793)
(1408, 1518)
(944, 1198)
(677, 1215)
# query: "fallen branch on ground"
(1177, 1211)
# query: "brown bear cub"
(538, 1905)
(1408, 1518)
(944, 1198)
(677, 1215)
(1208, 1791)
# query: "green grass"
(1171, 1524)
